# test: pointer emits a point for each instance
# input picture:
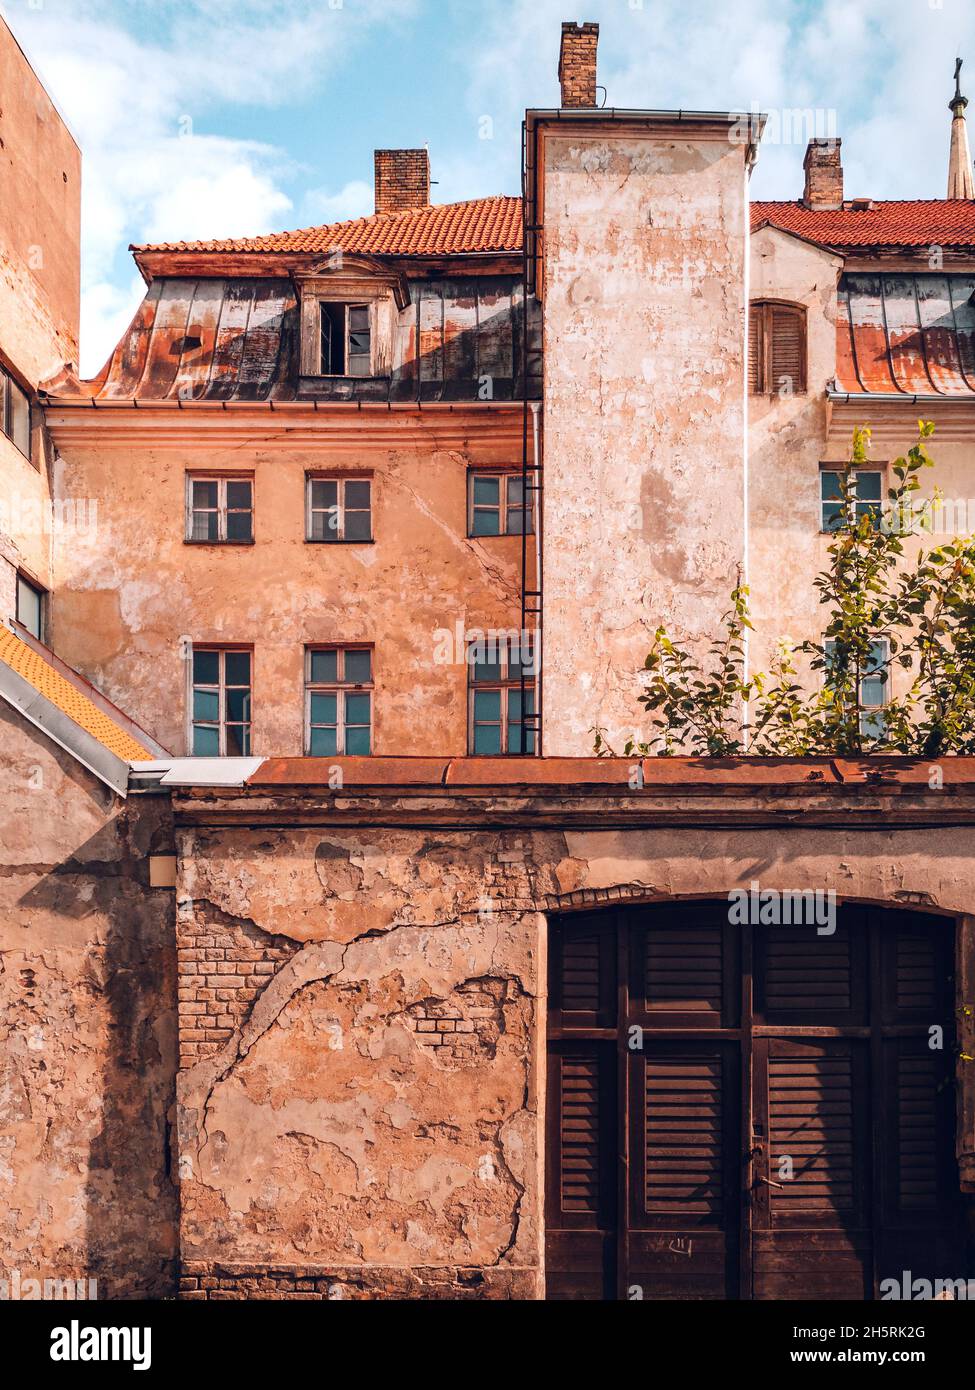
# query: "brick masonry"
(577, 65)
(206, 1281)
(402, 180)
(824, 174)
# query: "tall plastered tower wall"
(40, 238)
(644, 252)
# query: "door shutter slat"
(787, 349)
(811, 1110)
(684, 1118)
(755, 348)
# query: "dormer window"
(346, 340)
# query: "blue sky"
(202, 118)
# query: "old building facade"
(322, 962)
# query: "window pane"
(206, 743)
(834, 515)
(357, 742)
(487, 706)
(324, 709)
(238, 668)
(515, 521)
(487, 491)
(239, 526)
(515, 492)
(358, 318)
(238, 706)
(357, 709)
(323, 743)
(239, 496)
(487, 740)
(324, 668)
(878, 655)
(486, 523)
(333, 339)
(867, 486)
(831, 489)
(357, 496)
(873, 725)
(359, 365)
(324, 494)
(358, 667)
(206, 706)
(484, 670)
(358, 526)
(206, 668)
(19, 419)
(871, 509)
(873, 691)
(29, 607)
(204, 494)
(238, 740)
(206, 526)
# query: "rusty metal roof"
(906, 335)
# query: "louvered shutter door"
(756, 336)
(787, 353)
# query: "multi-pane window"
(776, 348)
(339, 509)
(221, 712)
(497, 505)
(30, 606)
(866, 498)
(346, 340)
(14, 413)
(874, 681)
(220, 510)
(496, 724)
(338, 701)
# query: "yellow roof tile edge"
(80, 710)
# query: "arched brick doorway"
(749, 1111)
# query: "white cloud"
(140, 107)
(356, 199)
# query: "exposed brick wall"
(205, 1281)
(224, 963)
(824, 174)
(402, 180)
(577, 64)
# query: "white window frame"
(504, 686)
(221, 689)
(221, 510)
(837, 471)
(340, 688)
(341, 480)
(504, 475)
(869, 712)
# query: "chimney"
(824, 175)
(402, 180)
(577, 65)
(961, 183)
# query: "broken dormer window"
(776, 349)
(346, 340)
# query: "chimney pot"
(402, 180)
(577, 65)
(824, 175)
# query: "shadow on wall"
(96, 1022)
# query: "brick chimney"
(824, 175)
(402, 180)
(577, 65)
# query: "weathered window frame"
(871, 709)
(863, 505)
(221, 688)
(222, 511)
(342, 690)
(507, 685)
(24, 582)
(338, 536)
(506, 506)
(11, 394)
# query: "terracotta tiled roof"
(69, 696)
(452, 229)
(927, 223)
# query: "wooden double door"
(749, 1111)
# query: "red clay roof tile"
(934, 222)
(452, 229)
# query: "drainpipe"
(745, 550)
(536, 407)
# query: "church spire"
(961, 182)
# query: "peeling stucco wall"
(644, 266)
(87, 1027)
(360, 1114)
